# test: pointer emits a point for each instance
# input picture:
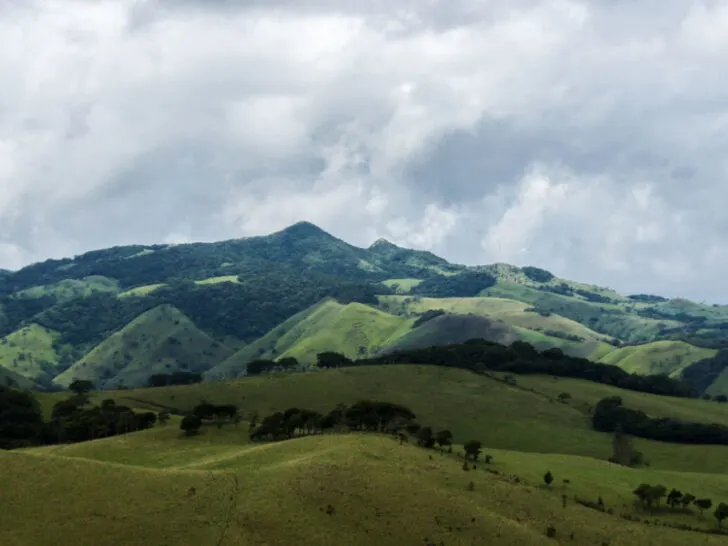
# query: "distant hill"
(162, 340)
(242, 293)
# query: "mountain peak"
(304, 228)
(382, 243)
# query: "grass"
(30, 352)
(351, 489)
(354, 330)
(402, 286)
(162, 340)
(68, 289)
(525, 417)
(218, 280)
(141, 290)
(670, 357)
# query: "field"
(218, 488)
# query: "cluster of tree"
(536, 274)
(257, 367)
(73, 419)
(647, 298)
(479, 355)
(650, 497)
(427, 316)
(593, 297)
(463, 285)
(174, 378)
(610, 415)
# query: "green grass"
(141, 290)
(218, 280)
(135, 489)
(472, 406)
(68, 289)
(30, 352)
(670, 357)
(402, 286)
(162, 340)
(355, 330)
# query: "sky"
(589, 138)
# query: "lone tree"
(472, 449)
(444, 438)
(191, 424)
(703, 504)
(548, 478)
(622, 451)
(721, 513)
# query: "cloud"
(587, 137)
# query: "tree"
(425, 438)
(473, 449)
(703, 504)
(642, 493)
(191, 424)
(674, 498)
(548, 478)
(563, 397)
(721, 513)
(21, 419)
(163, 417)
(444, 438)
(687, 499)
(656, 493)
(622, 452)
(80, 387)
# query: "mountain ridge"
(237, 291)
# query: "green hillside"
(10, 378)
(321, 490)
(31, 352)
(354, 330)
(161, 340)
(68, 289)
(466, 403)
(669, 357)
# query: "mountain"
(301, 290)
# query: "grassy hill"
(161, 340)
(352, 489)
(31, 353)
(515, 417)
(354, 330)
(160, 487)
(669, 357)
(10, 378)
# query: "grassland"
(216, 488)
(670, 357)
(30, 352)
(68, 289)
(525, 417)
(142, 290)
(402, 286)
(355, 330)
(162, 340)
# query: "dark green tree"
(473, 449)
(721, 513)
(548, 478)
(444, 438)
(425, 437)
(190, 424)
(674, 497)
(80, 387)
(703, 504)
(163, 417)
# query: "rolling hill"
(161, 487)
(31, 353)
(162, 340)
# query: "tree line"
(650, 497)
(611, 415)
(479, 355)
(73, 419)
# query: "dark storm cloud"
(585, 137)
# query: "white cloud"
(416, 121)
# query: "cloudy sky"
(589, 137)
